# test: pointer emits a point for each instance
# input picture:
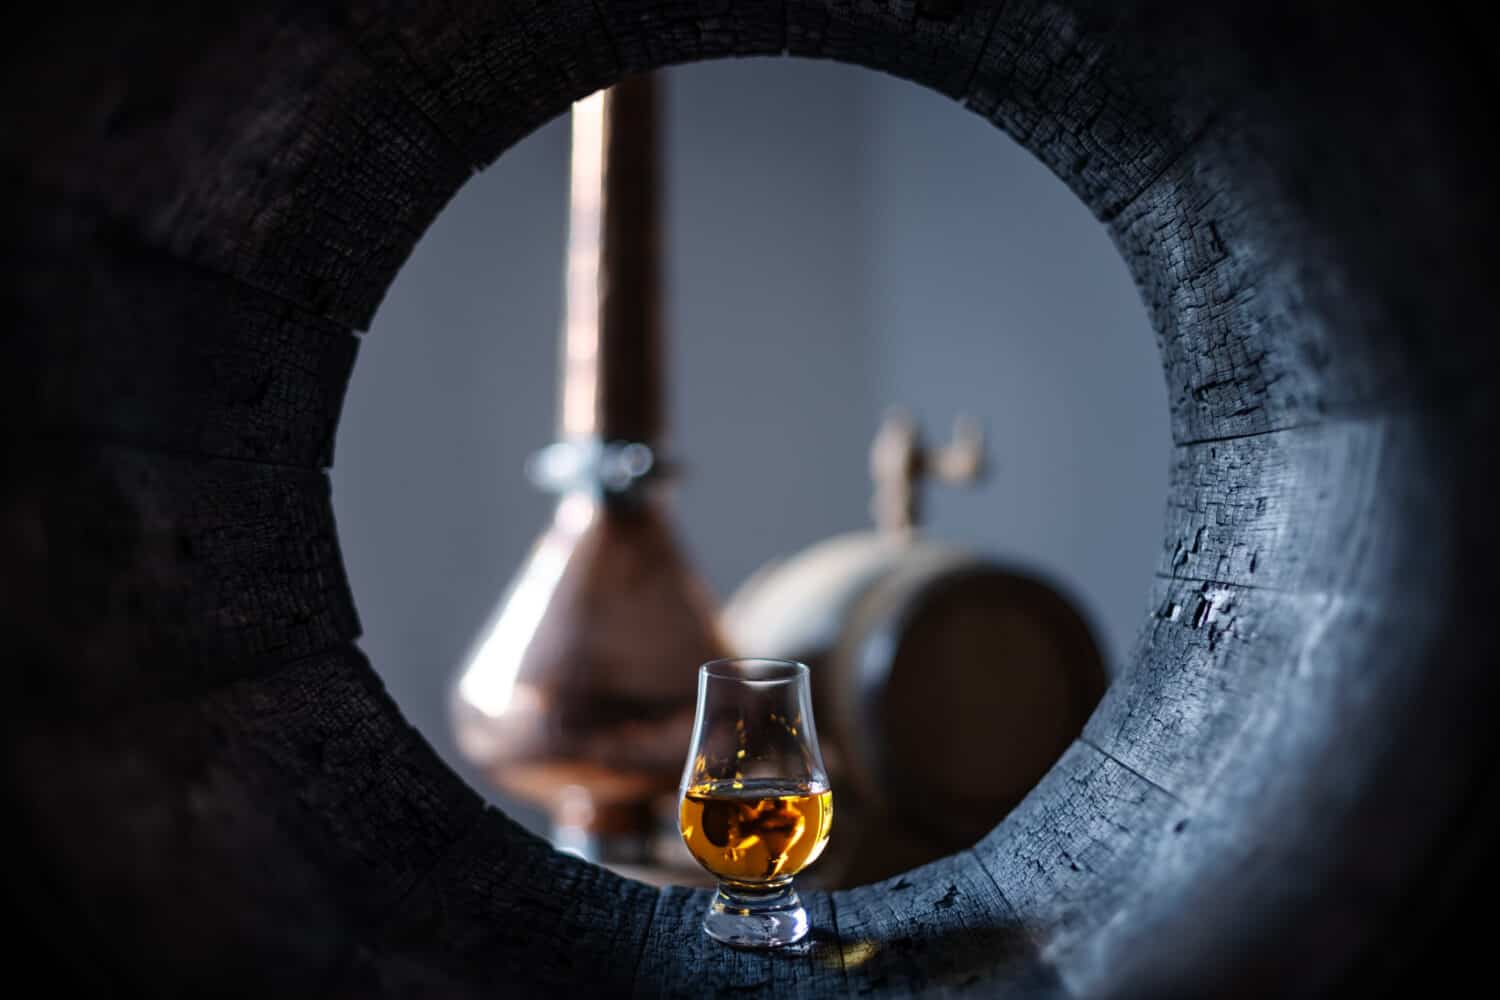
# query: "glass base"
(746, 919)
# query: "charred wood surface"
(1288, 790)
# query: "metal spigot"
(899, 461)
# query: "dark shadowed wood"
(1068, 858)
(1106, 132)
(680, 961)
(141, 576)
(152, 802)
(1288, 790)
(1258, 258)
(370, 801)
(133, 345)
(505, 910)
(939, 44)
(486, 73)
(943, 927)
(256, 143)
(645, 34)
(311, 769)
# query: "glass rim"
(777, 670)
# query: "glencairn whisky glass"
(756, 805)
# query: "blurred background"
(837, 242)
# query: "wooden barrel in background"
(1290, 787)
(945, 685)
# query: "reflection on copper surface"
(581, 305)
(489, 681)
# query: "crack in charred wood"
(838, 941)
(1233, 584)
(640, 954)
(357, 51)
(609, 35)
(1036, 946)
(1188, 145)
(984, 46)
(1117, 761)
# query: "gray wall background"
(838, 241)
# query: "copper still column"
(578, 694)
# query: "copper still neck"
(613, 361)
(578, 695)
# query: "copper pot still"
(578, 694)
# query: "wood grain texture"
(680, 961)
(254, 142)
(1279, 712)
(503, 911)
(1286, 785)
(360, 791)
(936, 44)
(1251, 715)
(1310, 509)
(1210, 678)
(647, 34)
(1070, 857)
(940, 929)
(487, 74)
(302, 796)
(154, 833)
(1067, 82)
(1286, 279)
(129, 344)
(134, 576)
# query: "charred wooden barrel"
(1289, 789)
